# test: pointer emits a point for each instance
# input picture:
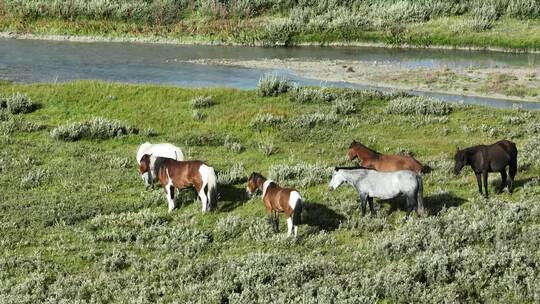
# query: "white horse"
(164, 150)
(382, 185)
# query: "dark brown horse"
(181, 174)
(493, 158)
(372, 159)
(277, 199)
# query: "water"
(28, 61)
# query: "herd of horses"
(378, 176)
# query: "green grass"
(83, 227)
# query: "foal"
(493, 158)
(385, 163)
(277, 199)
(182, 174)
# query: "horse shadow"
(433, 204)
(231, 197)
(320, 216)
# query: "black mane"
(351, 168)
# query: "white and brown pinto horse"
(278, 199)
(165, 150)
(181, 175)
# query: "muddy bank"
(516, 83)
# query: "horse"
(489, 158)
(372, 159)
(160, 150)
(182, 174)
(382, 185)
(277, 199)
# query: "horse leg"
(410, 205)
(503, 180)
(363, 199)
(169, 188)
(479, 181)
(289, 226)
(371, 210)
(485, 177)
(512, 170)
(276, 220)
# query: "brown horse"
(385, 163)
(181, 174)
(277, 199)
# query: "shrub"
(418, 106)
(344, 106)
(302, 174)
(267, 147)
(235, 174)
(272, 85)
(266, 120)
(233, 145)
(10, 124)
(34, 178)
(203, 140)
(308, 121)
(198, 115)
(17, 104)
(530, 154)
(203, 102)
(308, 95)
(96, 128)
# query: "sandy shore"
(506, 83)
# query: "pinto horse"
(372, 159)
(277, 199)
(493, 158)
(182, 174)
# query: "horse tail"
(426, 169)
(513, 166)
(295, 202)
(211, 193)
(420, 195)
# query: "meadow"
(77, 225)
(502, 24)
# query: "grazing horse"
(165, 150)
(277, 199)
(182, 174)
(382, 185)
(493, 158)
(385, 163)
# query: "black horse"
(492, 158)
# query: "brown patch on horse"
(381, 162)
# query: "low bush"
(234, 174)
(267, 147)
(308, 121)
(266, 120)
(204, 140)
(96, 128)
(34, 178)
(233, 145)
(418, 106)
(272, 85)
(203, 102)
(301, 174)
(17, 104)
(344, 106)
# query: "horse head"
(255, 182)
(337, 179)
(144, 170)
(460, 159)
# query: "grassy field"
(502, 24)
(77, 225)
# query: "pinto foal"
(277, 199)
(182, 174)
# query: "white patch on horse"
(204, 170)
(170, 199)
(293, 199)
(265, 186)
(289, 226)
(164, 150)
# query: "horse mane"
(357, 144)
(159, 163)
